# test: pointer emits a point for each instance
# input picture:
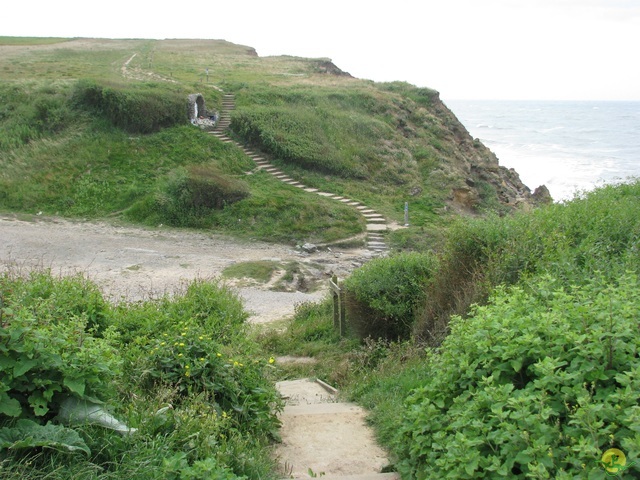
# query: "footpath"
(322, 437)
(325, 438)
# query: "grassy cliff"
(95, 128)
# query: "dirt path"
(135, 263)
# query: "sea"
(569, 146)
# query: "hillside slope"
(97, 121)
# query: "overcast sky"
(465, 49)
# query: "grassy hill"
(95, 128)
(510, 352)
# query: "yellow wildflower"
(272, 360)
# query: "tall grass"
(596, 232)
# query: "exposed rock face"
(325, 65)
(542, 195)
(479, 173)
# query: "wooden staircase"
(376, 223)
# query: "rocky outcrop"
(477, 177)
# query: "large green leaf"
(9, 406)
(24, 366)
(28, 434)
(76, 385)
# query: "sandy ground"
(131, 263)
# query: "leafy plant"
(193, 363)
(537, 384)
(45, 358)
(27, 434)
(143, 108)
(383, 295)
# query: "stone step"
(373, 243)
(313, 409)
(365, 476)
(376, 227)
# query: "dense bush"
(384, 294)
(49, 355)
(597, 231)
(192, 362)
(178, 369)
(329, 130)
(138, 108)
(188, 197)
(537, 384)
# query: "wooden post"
(338, 305)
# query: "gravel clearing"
(132, 263)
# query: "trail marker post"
(338, 305)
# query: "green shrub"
(383, 295)
(326, 130)
(537, 384)
(217, 309)
(30, 112)
(59, 298)
(47, 354)
(188, 196)
(194, 344)
(598, 231)
(191, 362)
(138, 108)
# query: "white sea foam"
(567, 146)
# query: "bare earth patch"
(131, 263)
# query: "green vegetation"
(383, 296)
(96, 128)
(537, 384)
(505, 347)
(261, 271)
(524, 358)
(179, 370)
